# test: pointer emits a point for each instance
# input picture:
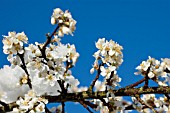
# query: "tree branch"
(75, 97)
(102, 94)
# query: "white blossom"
(72, 83)
(11, 85)
(63, 52)
(109, 53)
(100, 86)
(31, 102)
(64, 20)
(41, 85)
(13, 43)
(107, 71)
(156, 70)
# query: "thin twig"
(147, 78)
(63, 93)
(167, 70)
(85, 106)
(49, 38)
(47, 42)
(68, 66)
(136, 83)
(167, 96)
(110, 107)
(63, 107)
(93, 106)
(146, 81)
(47, 110)
(109, 82)
(4, 105)
(7, 107)
(23, 66)
(96, 78)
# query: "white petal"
(151, 75)
(53, 21)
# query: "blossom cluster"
(44, 69)
(30, 103)
(107, 59)
(44, 73)
(13, 43)
(12, 84)
(62, 52)
(109, 52)
(161, 103)
(155, 70)
(64, 20)
(111, 105)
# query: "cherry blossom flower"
(31, 102)
(13, 43)
(100, 86)
(155, 69)
(64, 20)
(11, 84)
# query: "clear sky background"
(142, 27)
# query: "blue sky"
(142, 27)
